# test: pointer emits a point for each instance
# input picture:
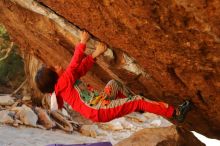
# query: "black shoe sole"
(184, 111)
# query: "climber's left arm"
(88, 62)
(79, 52)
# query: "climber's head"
(46, 79)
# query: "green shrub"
(12, 68)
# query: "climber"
(115, 101)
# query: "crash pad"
(85, 144)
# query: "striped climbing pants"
(122, 102)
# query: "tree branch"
(22, 84)
(9, 49)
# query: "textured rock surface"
(169, 136)
(26, 115)
(175, 44)
(6, 100)
(5, 117)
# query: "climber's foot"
(182, 110)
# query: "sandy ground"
(27, 136)
(23, 136)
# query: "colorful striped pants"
(121, 102)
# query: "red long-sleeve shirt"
(78, 67)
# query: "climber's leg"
(123, 106)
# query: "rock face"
(169, 136)
(6, 100)
(166, 50)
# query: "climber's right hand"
(84, 37)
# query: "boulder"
(26, 115)
(26, 98)
(89, 130)
(168, 136)
(44, 118)
(163, 50)
(6, 100)
(6, 117)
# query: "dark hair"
(46, 79)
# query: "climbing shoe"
(182, 110)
